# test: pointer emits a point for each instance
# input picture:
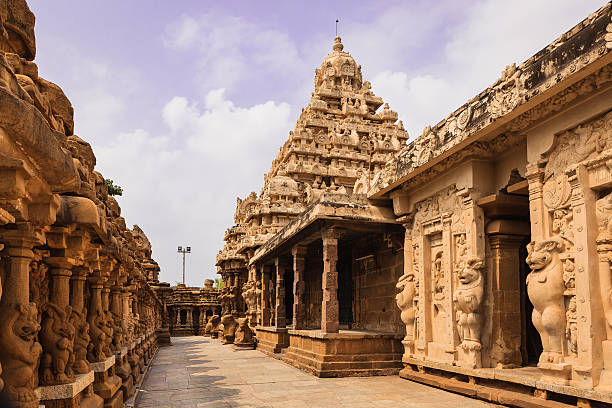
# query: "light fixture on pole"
(187, 250)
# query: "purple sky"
(187, 102)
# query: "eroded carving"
(545, 288)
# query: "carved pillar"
(590, 331)
(178, 316)
(468, 290)
(95, 318)
(57, 331)
(407, 298)
(79, 317)
(330, 306)
(446, 303)
(280, 293)
(127, 314)
(108, 324)
(551, 252)
(189, 318)
(19, 350)
(265, 295)
(116, 308)
(299, 287)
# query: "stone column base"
(77, 394)
(106, 384)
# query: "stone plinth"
(107, 385)
(521, 387)
(163, 337)
(344, 354)
(271, 340)
(124, 371)
(72, 395)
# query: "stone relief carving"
(406, 301)
(468, 298)
(20, 353)
(56, 336)
(81, 342)
(95, 351)
(546, 288)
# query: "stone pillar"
(265, 295)
(330, 306)
(116, 309)
(19, 355)
(95, 318)
(189, 318)
(56, 325)
(127, 316)
(299, 287)
(505, 267)
(178, 316)
(108, 325)
(79, 318)
(281, 320)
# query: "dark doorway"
(531, 343)
(289, 292)
(183, 317)
(345, 287)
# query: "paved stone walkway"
(198, 372)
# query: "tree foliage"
(113, 189)
(219, 284)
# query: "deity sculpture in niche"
(468, 298)
(545, 288)
(405, 299)
(20, 353)
(56, 337)
(438, 275)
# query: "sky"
(187, 102)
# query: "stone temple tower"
(339, 141)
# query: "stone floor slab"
(200, 372)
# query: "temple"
(475, 258)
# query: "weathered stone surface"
(75, 278)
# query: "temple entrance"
(531, 343)
(183, 317)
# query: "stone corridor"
(199, 372)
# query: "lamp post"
(187, 250)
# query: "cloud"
(473, 54)
(181, 182)
(231, 51)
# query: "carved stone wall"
(569, 283)
(442, 288)
(67, 255)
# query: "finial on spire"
(337, 21)
(338, 44)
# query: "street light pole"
(187, 250)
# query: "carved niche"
(442, 289)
